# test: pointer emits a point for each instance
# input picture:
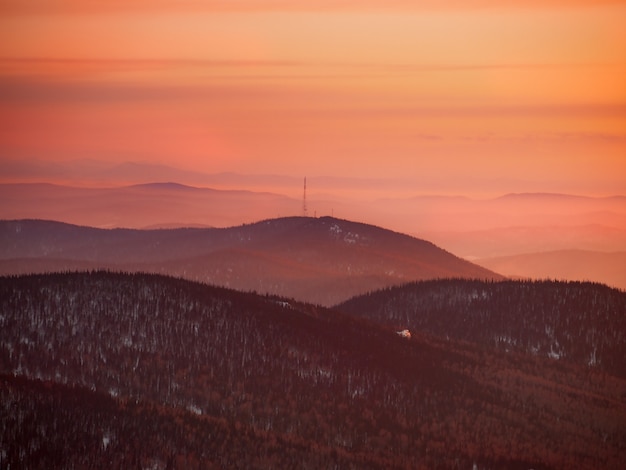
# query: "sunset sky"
(473, 97)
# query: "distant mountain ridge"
(141, 205)
(321, 260)
(234, 201)
(556, 196)
(579, 265)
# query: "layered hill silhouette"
(138, 370)
(582, 265)
(102, 195)
(320, 260)
(575, 322)
(141, 205)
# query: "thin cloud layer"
(529, 90)
(116, 6)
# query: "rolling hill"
(320, 260)
(146, 371)
(580, 323)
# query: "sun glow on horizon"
(465, 94)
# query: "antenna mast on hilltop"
(304, 208)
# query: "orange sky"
(471, 95)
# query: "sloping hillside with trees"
(578, 322)
(144, 371)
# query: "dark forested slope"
(578, 322)
(148, 371)
(48, 425)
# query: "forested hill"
(321, 260)
(143, 371)
(577, 322)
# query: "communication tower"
(304, 208)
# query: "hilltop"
(320, 260)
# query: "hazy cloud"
(20, 7)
